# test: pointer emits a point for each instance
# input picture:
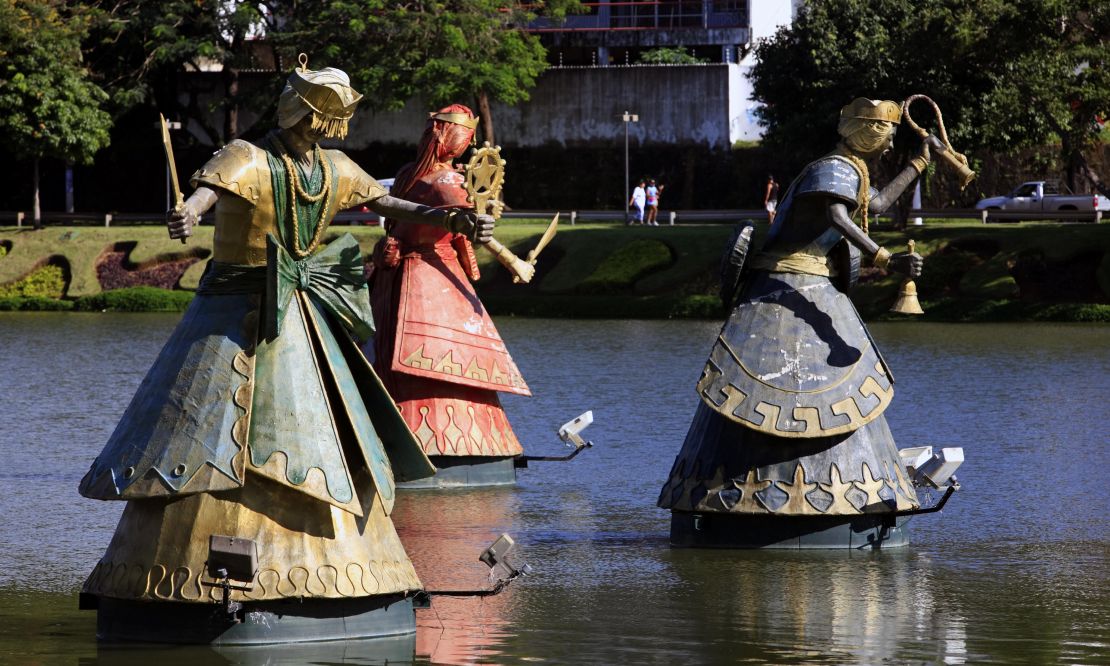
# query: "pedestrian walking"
(637, 202)
(771, 197)
(653, 193)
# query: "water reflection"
(444, 533)
(836, 607)
(391, 650)
(1016, 568)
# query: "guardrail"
(22, 219)
(988, 216)
(949, 213)
(669, 217)
(1082, 216)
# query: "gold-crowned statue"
(789, 446)
(258, 457)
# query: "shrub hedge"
(33, 303)
(44, 282)
(620, 270)
(136, 299)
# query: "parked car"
(1040, 195)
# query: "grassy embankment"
(1015, 272)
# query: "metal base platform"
(260, 623)
(714, 530)
(467, 472)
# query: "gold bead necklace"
(865, 182)
(297, 191)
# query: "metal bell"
(907, 302)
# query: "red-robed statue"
(436, 347)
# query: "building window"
(728, 13)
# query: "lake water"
(1016, 569)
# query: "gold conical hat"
(326, 93)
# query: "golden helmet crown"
(456, 118)
(870, 109)
(326, 91)
(326, 94)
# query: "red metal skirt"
(440, 355)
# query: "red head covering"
(442, 141)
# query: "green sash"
(334, 277)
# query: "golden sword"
(179, 200)
(548, 234)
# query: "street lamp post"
(917, 202)
(627, 118)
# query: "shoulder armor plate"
(355, 185)
(830, 176)
(233, 168)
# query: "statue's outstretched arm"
(407, 211)
(896, 187)
(479, 228)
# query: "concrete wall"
(677, 104)
(702, 105)
(683, 105)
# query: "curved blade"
(545, 239)
(178, 199)
(168, 146)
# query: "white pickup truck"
(1039, 195)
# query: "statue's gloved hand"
(181, 220)
(924, 155)
(906, 263)
(478, 228)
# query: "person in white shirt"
(638, 200)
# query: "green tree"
(1006, 73)
(139, 50)
(48, 106)
(668, 55)
(1048, 64)
(441, 50)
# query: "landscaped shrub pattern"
(620, 270)
(113, 272)
(1072, 280)
(973, 272)
(48, 281)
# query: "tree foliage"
(1006, 73)
(139, 50)
(48, 105)
(440, 50)
(1049, 70)
(669, 55)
